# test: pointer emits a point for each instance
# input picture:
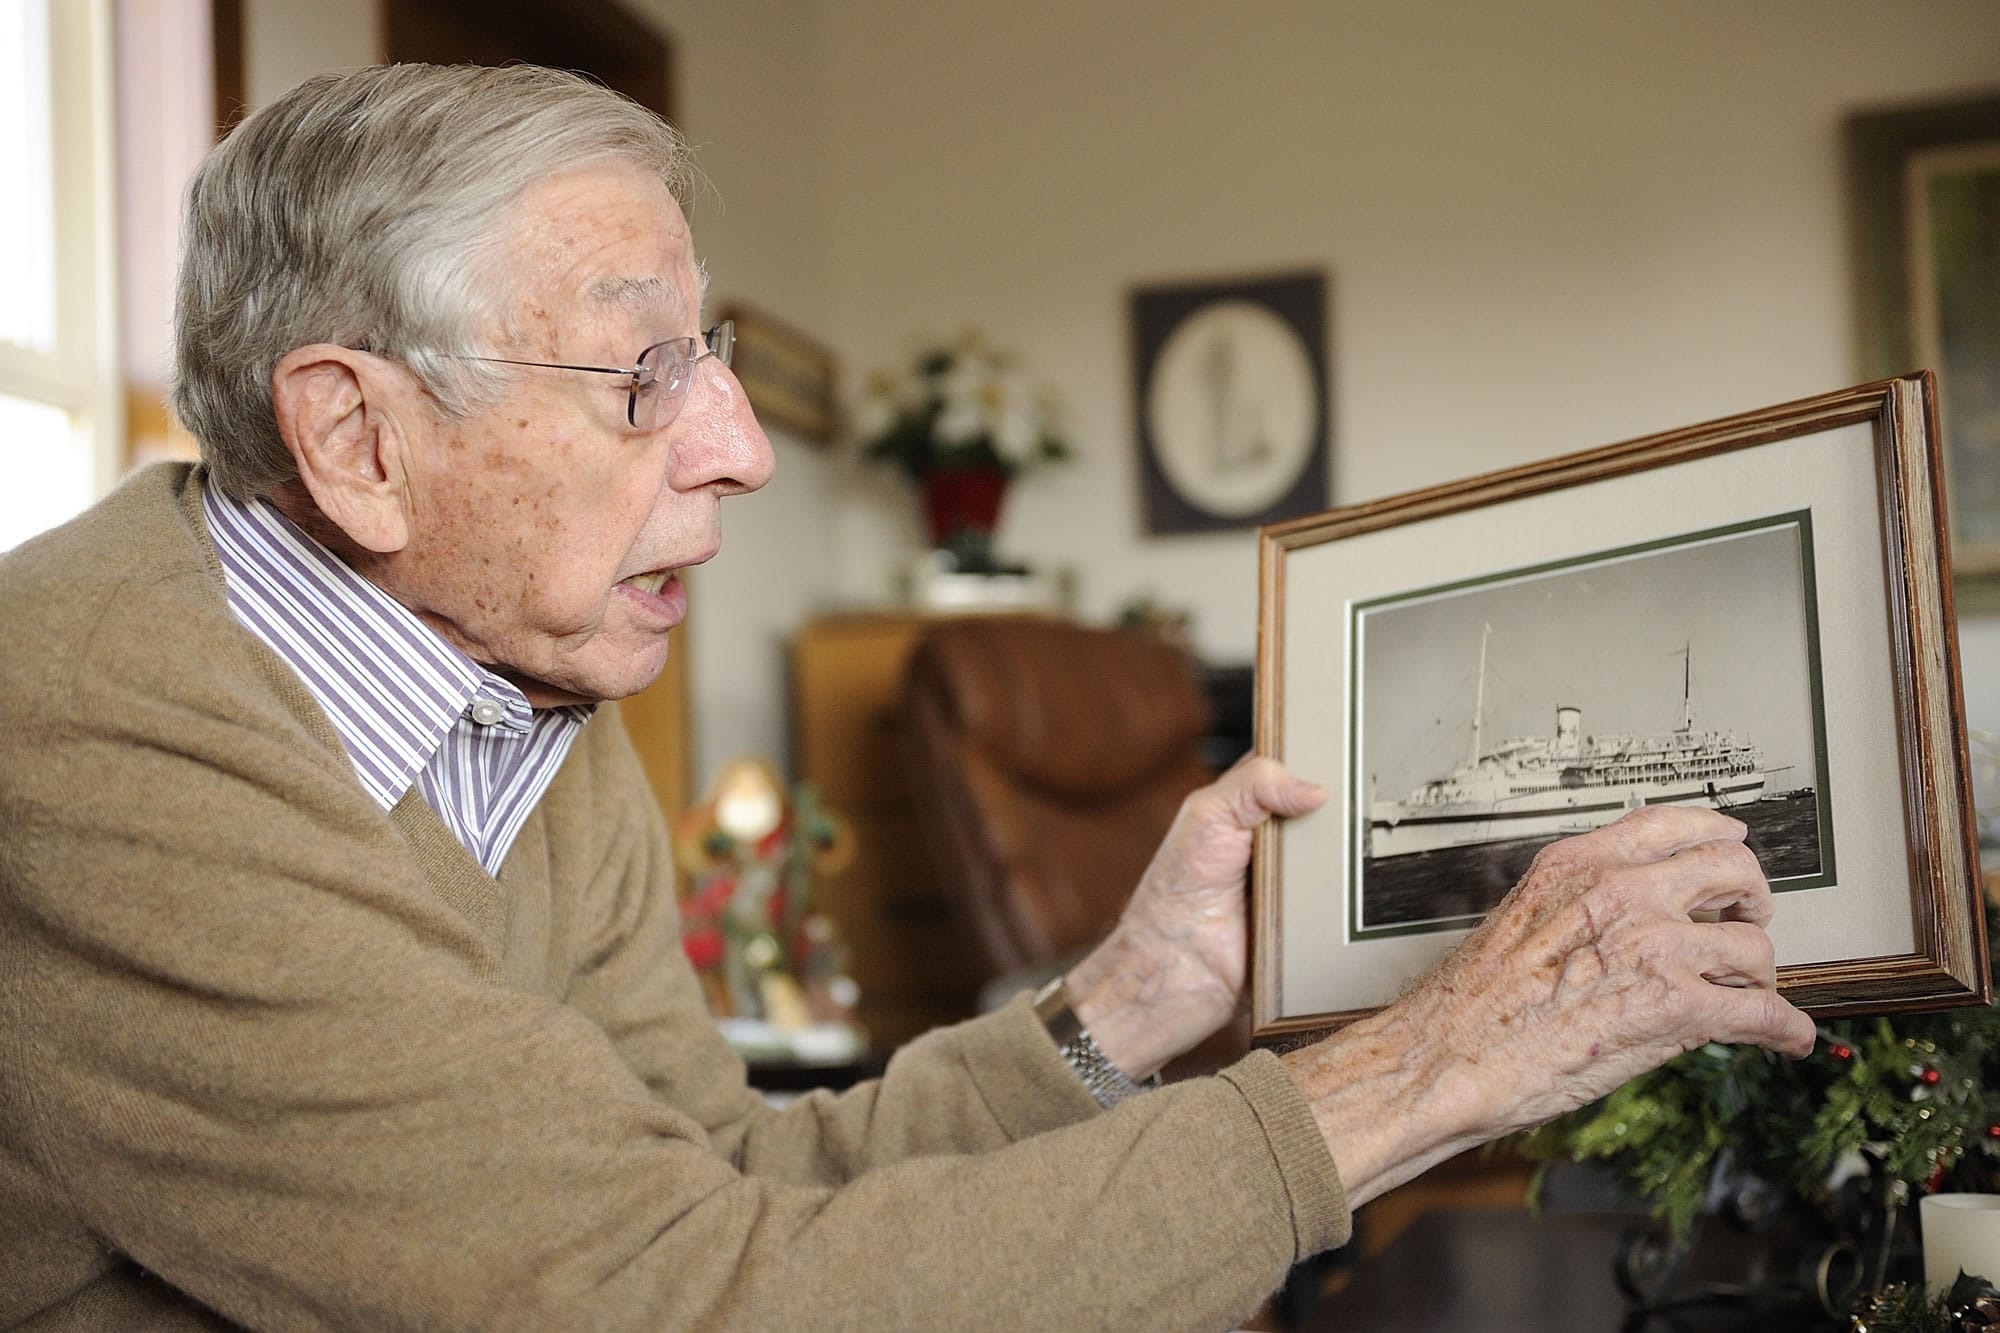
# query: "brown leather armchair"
(1047, 761)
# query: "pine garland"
(1920, 1094)
(1971, 1305)
(1903, 1307)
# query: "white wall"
(288, 41)
(1548, 225)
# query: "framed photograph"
(1926, 191)
(1753, 615)
(789, 377)
(1230, 380)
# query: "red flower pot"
(963, 504)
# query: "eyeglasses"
(660, 374)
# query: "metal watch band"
(1105, 1081)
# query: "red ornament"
(1929, 1077)
(1840, 1052)
(1937, 1179)
(1993, 1131)
(711, 898)
(703, 947)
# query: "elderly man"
(338, 972)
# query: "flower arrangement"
(960, 406)
(961, 420)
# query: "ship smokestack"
(1569, 731)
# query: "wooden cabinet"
(658, 719)
(913, 965)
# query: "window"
(59, 428)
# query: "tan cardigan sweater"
(269, 1057)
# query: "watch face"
(1232, 409)
(1231, 386)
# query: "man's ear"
(338, 413)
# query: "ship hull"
(1396, 829)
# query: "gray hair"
(367, 210)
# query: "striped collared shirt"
(408, 706)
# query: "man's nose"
(721, 444)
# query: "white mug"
(1961, 1232)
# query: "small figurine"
(748, 859)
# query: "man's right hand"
(1592, 970)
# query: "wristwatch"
(1105, 1081)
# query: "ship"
(1552, 786)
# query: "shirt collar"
(392, 686)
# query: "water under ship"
(1542, 786)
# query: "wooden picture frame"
(1757, 611)
(790, 377)
(1925, 202)
(1231, 400)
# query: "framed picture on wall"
(1926, 189)
(788, 376)
(1751, 615)
(1230, 384)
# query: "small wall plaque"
(1232, 401)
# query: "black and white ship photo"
(1497, 714)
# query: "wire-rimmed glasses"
(660, 374)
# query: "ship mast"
(1479, 700)
(1687, 681)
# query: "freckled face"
(540, 529)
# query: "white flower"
(976, 401)
(966, 391)
(1015, 416)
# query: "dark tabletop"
(1506, 1272)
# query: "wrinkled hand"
(1173, 969)
(1593, 970)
